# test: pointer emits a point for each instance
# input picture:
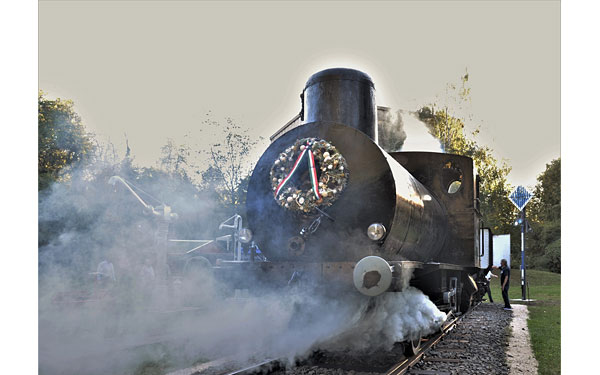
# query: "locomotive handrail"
(199, 246)
(237, 227)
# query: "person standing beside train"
(505, 282)
(488, 290)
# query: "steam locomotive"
(330, 208)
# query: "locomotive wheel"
(413, 346)
(466, 301)
(468, 293)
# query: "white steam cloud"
(390, 318)
(403, 131)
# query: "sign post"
(520, 196)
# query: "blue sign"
(520, 197)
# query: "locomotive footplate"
(338, 276)
(449, 286)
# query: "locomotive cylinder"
(341, 95)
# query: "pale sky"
(153, 69)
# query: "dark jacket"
(504, 273)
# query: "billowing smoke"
(292, 325)
(93, 326)
(390, 318)
(403, 131)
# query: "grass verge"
(544, 315)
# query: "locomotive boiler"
(327, 205)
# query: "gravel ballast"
(477, 345)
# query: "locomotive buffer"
(520, 196)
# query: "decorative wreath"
(308, 174)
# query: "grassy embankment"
(544, 314)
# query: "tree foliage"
(229, 168)
(78, 168)
(83, 218)
(62, 140)
(175, 159)
(545, 204)
(544, 213)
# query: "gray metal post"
(523, 277)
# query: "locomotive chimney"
(341, 95)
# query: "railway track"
(229, 366)
(403, 366)
(281, 367)
(266, 367)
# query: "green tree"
(544, 213)
(545, 204)
(62, 140)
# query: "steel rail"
(264, 367)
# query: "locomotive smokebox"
(344, 96)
